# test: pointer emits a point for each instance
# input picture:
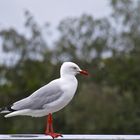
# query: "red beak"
(83, 72)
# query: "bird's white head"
(70, 68)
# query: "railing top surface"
(69, 137)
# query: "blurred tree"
(82, 38)
(27, 68)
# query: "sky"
(52, 11)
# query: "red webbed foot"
(54, 135)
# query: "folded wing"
(45, 95)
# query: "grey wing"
(39, 98)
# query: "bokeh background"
(106, 43)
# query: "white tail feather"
(18, 113)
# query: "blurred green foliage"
(108, 101)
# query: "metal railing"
(69, 137)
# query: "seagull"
(48, 99)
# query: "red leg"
(49, 129)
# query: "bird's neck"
(71, 79)
(67, 76)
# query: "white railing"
(69, 137)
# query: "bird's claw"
(54, 135)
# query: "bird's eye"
(75, 68)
